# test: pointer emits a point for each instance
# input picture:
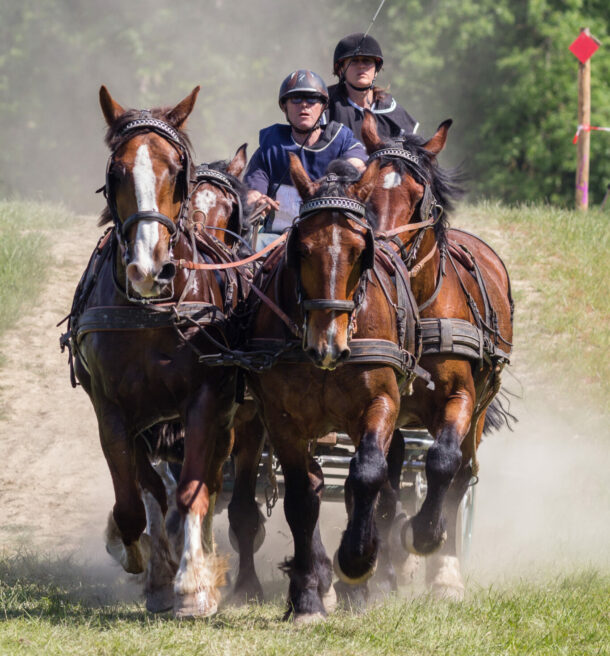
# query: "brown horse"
(463, 293)
(140, 331)
(328, 281)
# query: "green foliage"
(500, 68)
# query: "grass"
(56, 607)
(559, 267)
(26, 228)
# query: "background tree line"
(500, 68)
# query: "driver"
(356, 62)
(303, 98)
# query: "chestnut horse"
(320, 281)
(463, 293)
(140, 330)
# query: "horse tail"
(498, 414)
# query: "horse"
(143, 332)
(328, 301)
(465, 306)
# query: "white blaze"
(147, 234)
(391, 180)
(335, 251)
(205, 200)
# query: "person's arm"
(257, 179)
(355, 153)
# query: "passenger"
(356, 62)
(303, 98)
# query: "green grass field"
(52, 607)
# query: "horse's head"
(403, 190)
(146, 186)
(218, 198)
(330, 247)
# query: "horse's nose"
(166, 274)
(328, 357)
(136, 273)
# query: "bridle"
(352, 210)
(206, 175)
(427, 207)
(147, 123)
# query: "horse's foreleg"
(357, 555)
(246, 523)
(425, 532)
(302, 509)
(127, 521)
(162, 565)
(207, 445)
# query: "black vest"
(391, 117)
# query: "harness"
(444, 336)
(158, 313)
(402, 357)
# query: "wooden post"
(584, 139)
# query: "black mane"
(335, 186)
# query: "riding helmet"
(303, 82)
(357, 45)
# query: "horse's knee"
(368, 470)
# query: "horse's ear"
(364, 187)
(302, 181)
(437, 142)
(238, 163)
(178, 115)
(111, 109)
(370, 136)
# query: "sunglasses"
(308, 100)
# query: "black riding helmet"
(303, 83)
(357, 45)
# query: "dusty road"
(542, 502)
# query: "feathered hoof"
(346, 579)
(305, 619)
(447, 592)
(191, 606)
(408, 541)
(329, 599)
(160, 600)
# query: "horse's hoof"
(190, 606)
(304, 619)
(245, 595)
(352, 598)
(329, 599)
(160, 600)
(408, 541)
(408, 568)
(447, 592)
(346, 579)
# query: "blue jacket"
(270, 165)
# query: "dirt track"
(542, 499)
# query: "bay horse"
(318, 296)
(463, 293)
(140, 331)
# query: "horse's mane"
(346, 174)
(446, 184)
(115, 138)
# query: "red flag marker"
(583, 47)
